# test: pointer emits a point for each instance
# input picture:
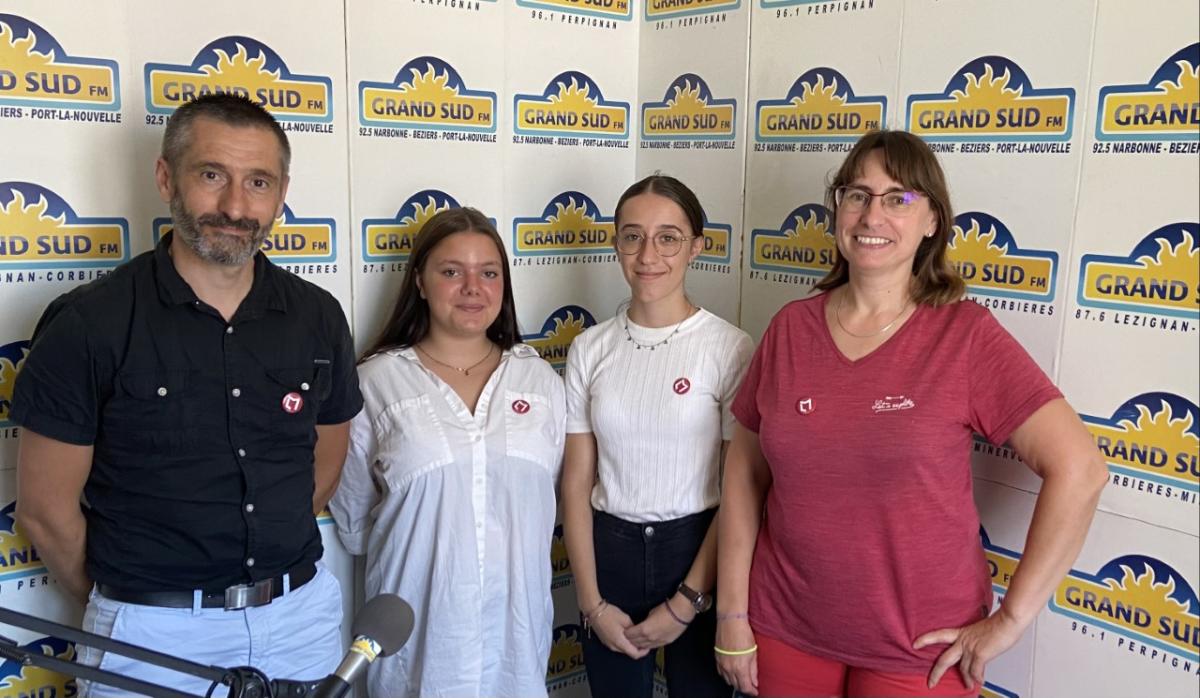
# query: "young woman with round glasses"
(648, 397)
(850, 558)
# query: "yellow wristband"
(735, 653)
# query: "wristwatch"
(699, 600)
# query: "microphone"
(380, 629)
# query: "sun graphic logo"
(12, 358)
(570, 224)
(292, 239)
(571, 105)
(20, 681)
(802, 245)
(1002, 563)
(669, 9)
(18, 558)
(36, 71)
(1153, 436)
(560, 565)
(560, 329)
(39, 230)
(1161, 276)
(566, 658)
(820, 107)
(243, 66)
(990, 261)
(427, 92)
(1165, 108)
(688, 111)
(992, 99)
(391, 239)
(1138, 598)
(619, 10)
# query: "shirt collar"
(521, 351)
(264, 293)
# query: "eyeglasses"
(855, 200)
(666, 244)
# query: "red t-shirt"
(870, 536)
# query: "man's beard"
(215, 246)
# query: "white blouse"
(659, 416)
(455, 513)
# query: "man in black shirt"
(198, 398)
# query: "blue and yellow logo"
(991, 690)
(12, 358)
(991, 99)
(670, 9)
(1002, 563)
(293, 240)
(608, 9)
(566, 657)
(571, 105)
(1139, 598)
(1167, 108)
(820, 107)
(803, 244)
(689, 112)
(718, 243)
(560, 329)
(1161, 276)
(560, 564)
(38, 230)
(391, 239)
(20, 681)
(244, 66)
(36, 71)
(570, 224)
(18, 558)
(990, 261)
(427, 93)
(1154, 436)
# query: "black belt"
(232, 598)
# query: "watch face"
(702, 603)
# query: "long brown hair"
(909, 161)
(409, 321)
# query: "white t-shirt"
(455, 512)
(659, 416)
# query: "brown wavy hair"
(909, 161)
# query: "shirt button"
(249, 508)
(649, 531)
(304, 386)
(478, 524)
(474, 437)
(249, 562)
(162, 392)
(229, 330)
(242, 452)
(236, 392)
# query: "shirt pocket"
(530, 428)
(412, 441)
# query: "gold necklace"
(465, 371)
(837, 315)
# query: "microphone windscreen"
(387, 619)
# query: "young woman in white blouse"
(648, 396)
(449, 483)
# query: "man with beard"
(198, 398)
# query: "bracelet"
(735, 653)
(596, 612)
(670, 610)
(733, 616)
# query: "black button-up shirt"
(203, 431)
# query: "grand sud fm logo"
(1140, 600)
(992, 99)
(1002, 563)
(820, 107)
(18, 558)
(1160, 276)
(1165, 108)
(802, 245)
(20, 681)
(12, 358)
(560, 564)
(670, 9)
(566, 658)
(619, 10)
(1153, 436)
(293, 240)
(427, 92)
(571, 105)
(39, 230)
(553, 340)
(244, 66)
(993, 264)
(36, 71)
(391, 239)
(570, 224)
(688, 111)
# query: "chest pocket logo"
(529, 428)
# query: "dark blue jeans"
(638, 566)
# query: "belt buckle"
(242, 596)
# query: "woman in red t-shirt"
(849, 555)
